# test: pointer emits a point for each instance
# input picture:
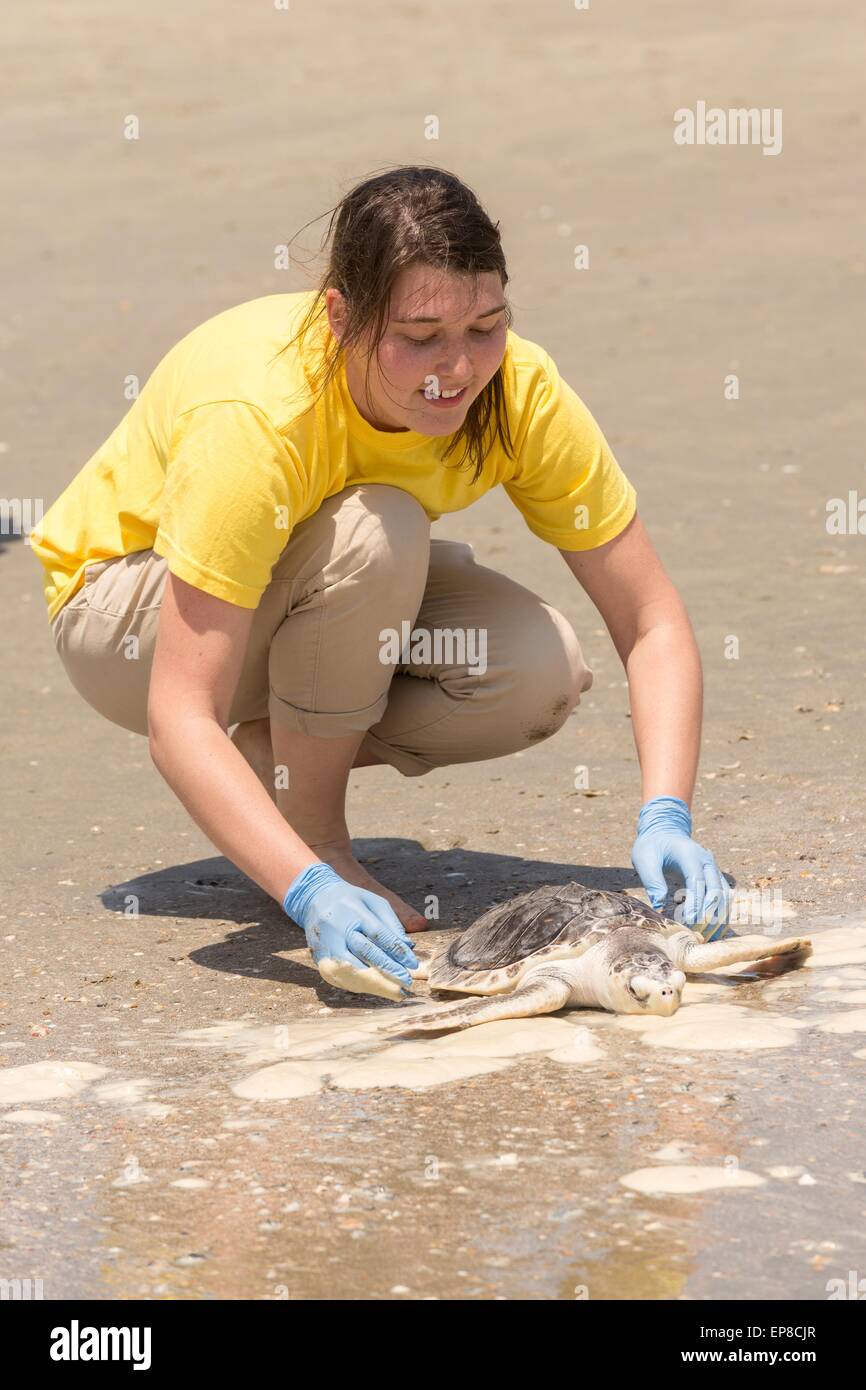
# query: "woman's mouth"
(445, 400)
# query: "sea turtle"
(566, 945)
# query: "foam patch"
(688, 1178)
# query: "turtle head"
(659, 992)
(644, 982)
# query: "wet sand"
(138, 1159)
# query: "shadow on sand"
(465, 882)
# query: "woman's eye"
(479, 333)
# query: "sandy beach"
(186, 1109)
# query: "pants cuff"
(321, 724)
(409, 764)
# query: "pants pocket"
(125, 584)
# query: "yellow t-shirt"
(221, 454)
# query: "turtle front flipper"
(541, 991)
(694, 955)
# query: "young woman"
(246, 545)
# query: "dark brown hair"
(408, 216)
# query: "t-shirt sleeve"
(233, 488)
(567, 484)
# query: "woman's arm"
(197, 662)
(355, 937)
(651, 631)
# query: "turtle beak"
(660, 997)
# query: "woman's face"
(446, 333)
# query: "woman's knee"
(551, 687)
(396, 537)
(341, 641)
(542, 679)
(366, 547)
(376, 580)
(370, 532)
(565, 666)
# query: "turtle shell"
(554, 921)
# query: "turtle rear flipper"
(694, 955)
(424, 955)
(542, 991)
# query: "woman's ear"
(337, 312)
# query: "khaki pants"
(362, 566)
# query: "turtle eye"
(640, 995)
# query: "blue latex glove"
(664, 841)
(353, 934)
